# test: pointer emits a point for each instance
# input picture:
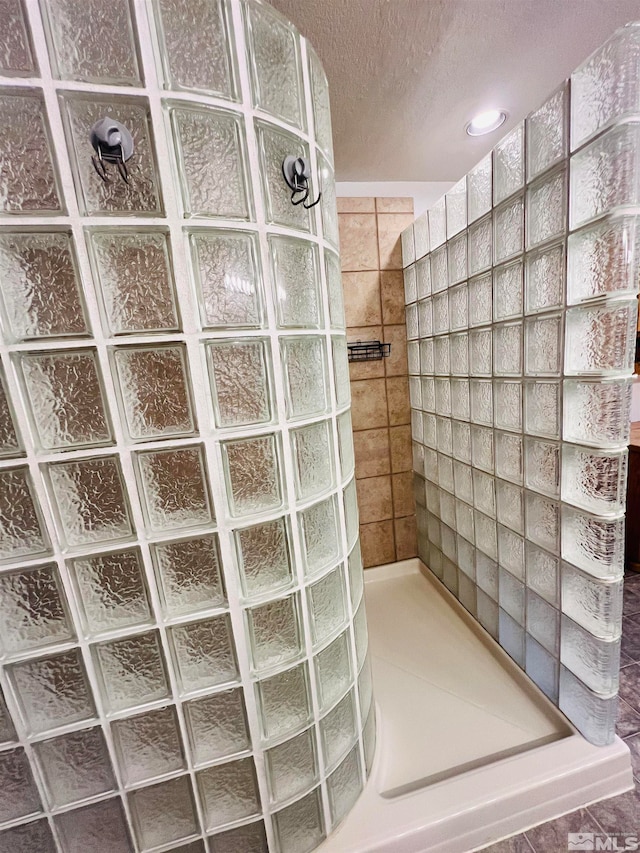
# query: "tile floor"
(619, 815)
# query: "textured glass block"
(486, 535)
(511, 595)
(20, 795)
(507, 345)
(464, 520)
(229, 792)
(274, 144)
(250, 838)
(240, 375)
(487, 575)
(421, 236)
(188, 574)
(512, 637)
(544, 277)
(30, 837)
(345, 444)
(320, 103)
(480, 352)
(597, 411)
(90, 499)
(410, 283)
(508, 164)
(442, 354)
(305, 374)
(457, 258)
(479, 183)
(252, 474)
(154, 389)
(428, 386)
(593, 604)
(594, 479)
(415, 392)
(296, 277)
(148, 745)
(437, 224)
(312, 448)
(334, 286)
(448, 516)
(543, 622)
(463, 482)
(356, 575)
(488, 614)
(413, 327)
(53, 691)
(34, 612)
(461, 439)
(445, 472)
(507, 291)
(327, 606)
(7, 728)
(299, 827)
(333, 670)
(320, 535)
(542, 405)
(460, 403)
(605, 175)
(25, 138)
(542, 573)
(508, 230)
(467, 594)
(547, 208)
(542, 521)
(203, 653)
(482, 401)
(291, 767)
(101, 828)
(542, 668)
(10, 441)
(344, 786)
(481, 448)
(456, 207)
(132, 671)
(439, 270)
(443, 396)
(480, 252)
(511, 551)
(41, 292)
(174, 487)
(601, 338)
(448, 538)
(338, 729)
(542, 466)
(548, 133)
(509, 456)
(284, 700)
(141, 194)
(217, 725)
(75, 766)
(594, 716)
(594, 544)
(510, 505)
(458, 308)
(480, 300)
(428, 432)
(329, 207)
(17, 52)
(594, 661)
(163, 813)
(275, 633)
(408, 246)
(195, 49)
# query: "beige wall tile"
(374, 499)
(390, 226)
(394, 205)
(406, 537)
(372, 452)
(377, 543)
(373, 369)
(403, 502)
(353, 204)
(358, 241)
(398, 400)
(400, 448)
(396, 363)
(392, 294)
(362, 298)
(369, 403)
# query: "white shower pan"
(469, 751)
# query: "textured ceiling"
(406, 75)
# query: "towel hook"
(296, 172)
(113, 143)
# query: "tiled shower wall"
(182, 632)
(371, 258)
(521, 315)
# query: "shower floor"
(469, 750)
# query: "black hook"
(113, 143)
(296, 173)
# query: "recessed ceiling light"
(486, 122)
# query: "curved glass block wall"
(184, 646)
(521, 289)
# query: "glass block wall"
(521, 289)
(183, 639)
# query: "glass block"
(163, 813)
(356, 575)
(20, 795)
(141, 195)
(174, 487)
(508, 230)
(296, 277)
(597, 411)
(429, 431)
(75, 766)
(250, 838)
(445, 472)
(413, 322)
(229, 792)
(351, 515)
(547, 208)
(456, 207)
(333, 670)
(467, 594)
(480, 300)
(7, 729)
(510, 505)
(132, 671)
(305, 374)
(600, 339)
(148, 745)
(327, 606)
(415, 392)
(333, 277)
(594, 716)
(542, 405)
(427, 356)
(480, 352)
(154, 391)
(10, 441)
(592, 603)
(284, 701)
(594, 479)
(439, 270)
(437, 223)
(217, 725)
(458, 307)
(338, 729)
(594, 661)
(448, 516)
(543, 622)
(511, 595)
(512, 637)
(291, 767)
(508, 164)
(487, 575)
(507, 398)
(26, 138)
(548, 133)
(442, 354)
(482, 401)
(488, 614)
(508, 290)
(509, 456)
(345, 444)
(41, 291)
(542, 521)
(459, 354)
(457, 258)
(428, 386)
(408, 246)
(312, 448)
(486, 534)
(29, 836)
(480, 246)
(542, 466)
(464, 520)
(329, 207)
(482, 448)
(53, 691)
(542, 668)
(320, 103)
(203, 653)
(460, 402)
(448, 538)
(410, 283)
(511, 551)
(275, 633)
(463, 482)
(542, 573)
(196, 50)
(240, 373)
(253, 475)
(17, 58)
(594, 544)
(101, 828)
(319, 525)
(461, 439)
(90, 499)
(605, 175)
(443, 396)
(544, 278)
(421, 236)
(299, 827)
(274, 144)
(344, 786)
(188, 574)
(479, 184)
